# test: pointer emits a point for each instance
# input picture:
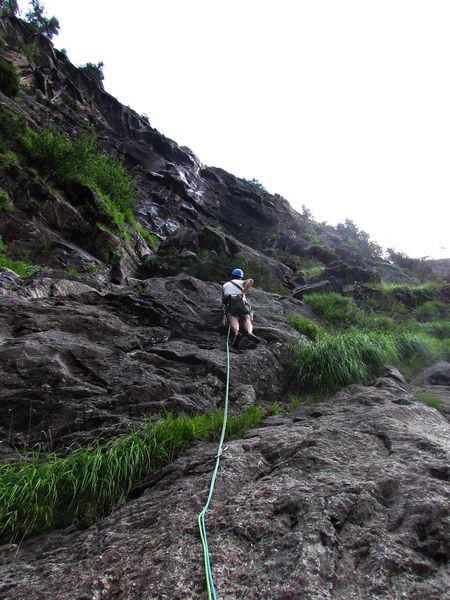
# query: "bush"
(94, 71)
(305, 326)
(9, 80)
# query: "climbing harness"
(201, 516)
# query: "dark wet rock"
(75, 361)
(320, 287)
(437, 374)
(349, 273)
(346, 499)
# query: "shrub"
(305, 326)
(9, 80)
(2, 245)
(40, 492)
(94, 71)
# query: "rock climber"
(237, 308)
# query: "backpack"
(237, 305)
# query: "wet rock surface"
(82, 363)
(347, 499)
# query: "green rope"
(201, 516)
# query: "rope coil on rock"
(201, 516)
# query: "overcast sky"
(339, 105)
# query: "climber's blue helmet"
(238, 272)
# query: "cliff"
(118, 321)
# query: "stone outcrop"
(81, 362)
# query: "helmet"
(238, 272)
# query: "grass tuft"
(46, 491)
(335, 361)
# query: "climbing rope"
(201, 516)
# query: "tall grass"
(334, 361)
(46, 491)
(304, 326)
(335, 310)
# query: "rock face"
(346, 500)
(74, 365)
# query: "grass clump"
(437, 329)
(42, 492)
(335, 361)
(334, 309)
(432, 310)
(305, 326)
(430, 400)
(22, 268)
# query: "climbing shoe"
(253, 338)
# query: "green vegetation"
(430, 400)
(94, 72)
(5, 202)
(48, 26)
(334, 309)
(31, 51)
(311, 273)
(432, 310)
(305, 326)
(141, 288)
(275, 409)
(20, 267)
(296, 400)
(62, 161)
(9, 80)
(41, 492)
(437, 329)
(336, 360)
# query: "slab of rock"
(347, 499)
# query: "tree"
(40, 23)
(94, 71)
(8, 8)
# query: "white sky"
(340, 105)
